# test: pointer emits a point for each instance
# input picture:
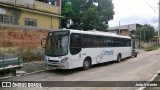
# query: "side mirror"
(42, 42)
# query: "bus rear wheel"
(87, 64)
(119, 58)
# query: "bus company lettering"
(108, 52)
(99, 57)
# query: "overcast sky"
(135, 11)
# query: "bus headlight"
(64, 60)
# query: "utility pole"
(119, 29)
(159, 24)
(144, 38)
(140, 40)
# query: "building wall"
(36, 5)
(21, 36)
(125, 29)
(130, 27)
(122, 32)
(46, 7)
(25, 3)
(55, 23)
(125, 33)
(8, 1)
(43, 21)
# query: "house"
(125, 30)
(32, 13)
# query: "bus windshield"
(57, 43)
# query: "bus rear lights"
(64, 60)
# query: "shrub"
(7, 44)
(153, 48)
(31, 54)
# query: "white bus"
(68, 49)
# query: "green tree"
(88, 23)
(84, 14)
(72, 12)
(105, 9)
(156, 33)
(67, 12)
(145, 33)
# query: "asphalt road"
(141, 68)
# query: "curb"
(33, 62)
(157, 73)
(34, 72)
(7, 77)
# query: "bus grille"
(53, 61)
(53, 66)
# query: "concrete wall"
(15, 36)
(32, 4)
(46, 7)
(8, 1)
(25, 3)
(145, 45)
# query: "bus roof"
(94, 32)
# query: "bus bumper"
(51, 66)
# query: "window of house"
(7, 19)
(51, 2)
(30, 22)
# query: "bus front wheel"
(87, 64)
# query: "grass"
(30, 54)
(153, 48)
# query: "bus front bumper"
(57, 65)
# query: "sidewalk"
(33, 66)
(28, 68)
(157, 78)
(141, 51)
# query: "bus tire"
(86, 64)
(135, 55)
(119, 57)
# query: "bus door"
(75, 50)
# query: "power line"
(151, 7)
